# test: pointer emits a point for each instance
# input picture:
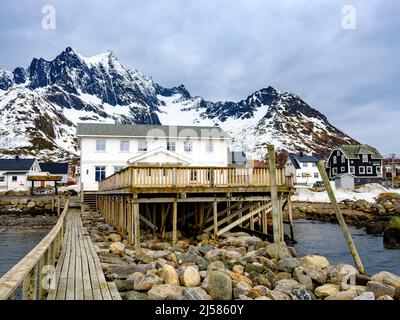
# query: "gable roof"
(297, 159)
(352, 151)
(135, 130)
(54, 167)
(16, 164)
(169, 153)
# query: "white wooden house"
(107, 148)
(14, 173)
(303, 169)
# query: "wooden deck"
(79, 275)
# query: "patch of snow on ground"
(369, 192)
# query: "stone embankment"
(26, 212)
(238, 266)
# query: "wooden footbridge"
(63, 266)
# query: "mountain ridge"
(41, 104)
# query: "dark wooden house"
(362, 161)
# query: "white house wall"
(112, 156)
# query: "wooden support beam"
(174, 222)
(275, 201)
(290, 215)
(148, 222)
(136, 216)
(205, 199)
(244, 218)
(339, 215)
(221, 213)
(215, 215)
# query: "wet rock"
(288, 264)
(380, 289)
(326, 290)
(375, 227)
(195, 294)
(219, 286)
(117, 248)
(367, 295)
(135, 295)
(161, 292)
(190, 277)
(169, 275)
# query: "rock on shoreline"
(238, 266)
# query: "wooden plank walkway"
(79, 275)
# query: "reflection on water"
(15, 245)
(327, 240)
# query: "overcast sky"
(227, 49)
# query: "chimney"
(301, 153)
(17, 157)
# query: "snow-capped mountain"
(41, 104)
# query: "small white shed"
(344, 181)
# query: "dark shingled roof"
(297, 159)
(352, 151)
(54, 167)
(134, 130)
(16, 164)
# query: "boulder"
(117, 248)
(389, 279)
(287, 264)
(219, 285)
(121, 271)
(146, 282)
(216, 266)
(326, 290)
(342, 295)
(384, 298)
(135, 295)
(124, 285)
(269, 250)
(190, 277)
(380, 289)
(115, 237)
(315, 272)
(30, 205)
(391, 238)
(163, 291)
(169, 275)
(195, 294)
(315, 260)
(367, 295)
(239, 269)
(240, 278)
(288, 285)
(254, 267)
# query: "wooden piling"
(274, 201)
(339, 215)
(215, 215)
(136, 217)
(174, 222)
(290, 215)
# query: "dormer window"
(364, 158)
(343, 159)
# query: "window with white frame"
(342, 169)
(100, 173)
(171, 145)
(334, 171)
(361, 170)
(305, 164)
(187, 146)
(334, 160)
(352, 170)
(364, 158)
(316, 175)
(210, 147)
(338, 152)
(100, 145)
(343, 159)
(142, 145)
(2, 179)
(378, 169)
(124, 146)
(369, 170)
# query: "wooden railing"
(179, 177)
(37, 269)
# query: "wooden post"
(274, 200)
(163, 221)
(174, 222)
(138, 249)
(215, 214)
(33, 185)
(290, 214)
(340, 218)
(281, 230)
(55, 188)
(52, 204)
(130, 223)
(264, 221)
(58, 207)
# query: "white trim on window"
(369, 170)
(361, 170)
(364, 158)
(334, 171)
(352, 170)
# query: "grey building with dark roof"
(14, 172)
